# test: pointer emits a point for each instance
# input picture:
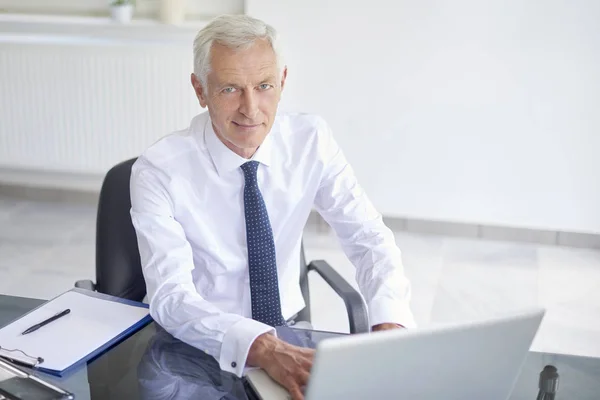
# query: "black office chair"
(118, 266)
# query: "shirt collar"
(226, 160)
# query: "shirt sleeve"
(367, 241)
(167, 264)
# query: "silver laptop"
(477, 360)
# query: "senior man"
(219, 210)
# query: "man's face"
(242, 94)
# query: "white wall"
(465, 110)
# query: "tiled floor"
(45, 247)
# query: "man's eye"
(264, 86)
(229, 90)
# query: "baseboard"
(49, 194)
(498, 233)
(49, 185)
(88, 194)
(485, 232)
(50, 179)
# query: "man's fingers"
(296, 392)
(307, 351)
(310, 356)
(292, 369)
(306, 363)
(302, 378)
(304, 350)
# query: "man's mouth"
(246, 126)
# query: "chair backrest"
(118, 265)
(304, 314)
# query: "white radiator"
(74, 107)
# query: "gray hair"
(235, 32)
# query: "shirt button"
(233, 364)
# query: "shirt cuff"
(237, 341)
(384, 310)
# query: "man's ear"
(283, 77)
(199, 90)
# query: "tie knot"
(250, 169)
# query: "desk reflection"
(171, 369)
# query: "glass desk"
(153, 365)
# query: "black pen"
(38, 326)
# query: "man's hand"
(386, 326)
(287, 364)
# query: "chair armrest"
(86, 284)
(358, 316)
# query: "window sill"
(26, 28)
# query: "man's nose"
(249, 104)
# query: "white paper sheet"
(91, 323)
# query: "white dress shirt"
(187, 209)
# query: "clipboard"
(18, 384)
(96, 323)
